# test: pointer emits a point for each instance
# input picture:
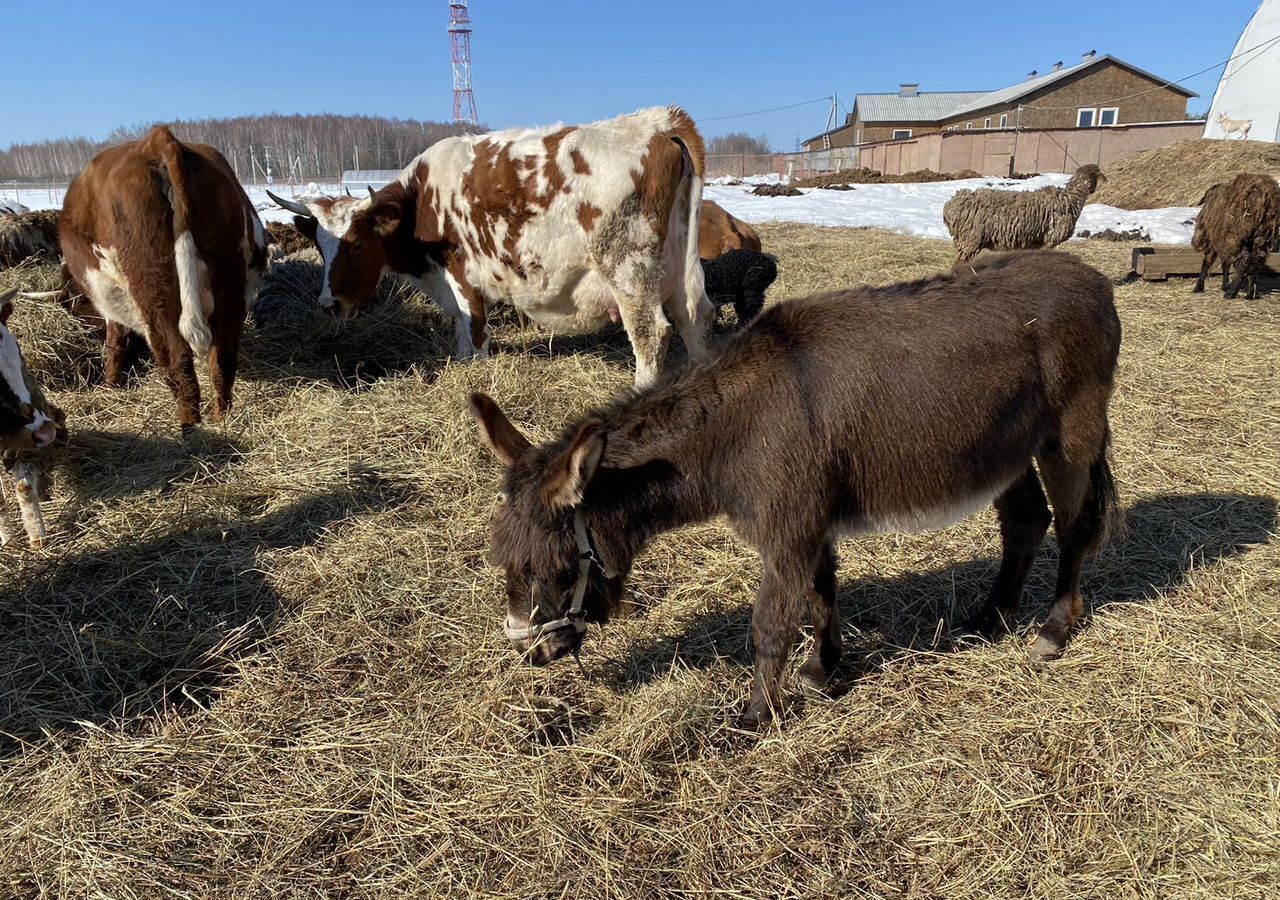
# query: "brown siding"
(1091, 88)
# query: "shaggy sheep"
(284, 238)
(287, 290)
(990, 219)
(1237, 226)
(740, 277)
(30, 234)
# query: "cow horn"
(373, 195)
(348, 190)
(39, 295)
(292, 205)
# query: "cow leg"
(226, 324)
(649, 332)
(637, 291)
(117, 354)
(692, 312)
(826, 622)
(1024, 519)
(27, 474)
(173, 355)
(473, 324)
(1226, 274)
(6, 527)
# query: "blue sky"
(85, 67)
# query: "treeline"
(739, 143)
(299, 146)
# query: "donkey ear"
(6, 305)
(569, 474)
(503, 438)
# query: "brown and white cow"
(165, 243)
(720, 232)
(30, 426)
(573, 225)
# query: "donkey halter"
(573, 618)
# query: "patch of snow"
(12, 206)
(917, 208)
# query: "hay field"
(1178, 174)
(267, 663)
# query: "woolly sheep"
(1237, 226)
(29, 234)
(992, 219)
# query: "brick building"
(1099, 91)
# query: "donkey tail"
(1104, 502)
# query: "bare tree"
(739, 143)
(303, 146)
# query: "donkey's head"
(556, 582)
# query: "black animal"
(740, 277)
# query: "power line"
(1168, 83)
(760, 112)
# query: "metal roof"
(926, 106)
(1008, 95)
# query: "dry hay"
(267, 662)
(29, 235)
(284, 238)
(842, 179)
(1179, 173)
(775, 190)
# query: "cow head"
(22, 426)
(349, 233)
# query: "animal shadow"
(153, 624)
(1170, 536)
(102, 464)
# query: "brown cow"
(166, 244)
(720, 232)
(573, 225)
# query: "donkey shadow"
(124, 632)
(882, 618)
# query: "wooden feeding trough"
(1152, 264)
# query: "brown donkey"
(877, 409)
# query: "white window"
(987, 123)
(968, 125)
(826, 142)
(1109, 115)
(1004, 121)
(857, 136)
(1086, 117)
(901, 134)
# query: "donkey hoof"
(813, 677)
(1046, 648)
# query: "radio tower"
(464, 101)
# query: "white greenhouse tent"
(1250, 85)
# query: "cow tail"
(192, 324)
(686, 134)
